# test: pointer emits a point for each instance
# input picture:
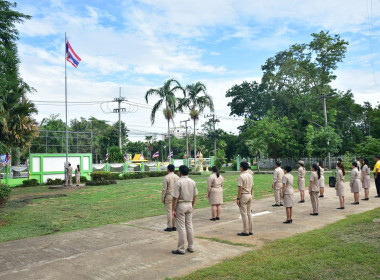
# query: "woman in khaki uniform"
(77, 175)
(355, 182)
(215, 193)
(339, 186)
(301, 180)
(288, 194)
(322, 179)
(366, 180)
(315, 176)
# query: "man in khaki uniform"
(69, 175)
(166, 196)
(184, 194)
(277, 184)
(244, 198)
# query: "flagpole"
(67, 134)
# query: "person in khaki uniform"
(366, 180)
(244, 199)
(314, 188)
(215, 193)
(166, 196)
(69, 175)
(288, 194)
(355, 182)
(277, 184)
(301, 180)
(184, 194)
(321, 179)
(77, 175)
(339, 185)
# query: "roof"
(139, 158)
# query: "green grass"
(35, 211)
(348, 249)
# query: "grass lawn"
(35, 211)
(348, 249)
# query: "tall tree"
(196, 100)
(167, 100)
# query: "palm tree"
(196, 103)
(166, 93)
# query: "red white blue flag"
(185, 155)
(197, 155)
(107, 156)
(156, 155)
(125, 157)
(171, 154)
(71, 56)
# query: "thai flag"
(198, 155)
(107, 156)
(171, 154)
(71, 56)
(7, 159)
(125, 157)
(185, 155)
(156, 155)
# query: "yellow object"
(139, 158)
(377, 166)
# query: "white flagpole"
(67, 135)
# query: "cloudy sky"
(137, 45)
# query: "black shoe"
(251, 233)
(355, 203)
(301, 201)
(287, 222)
(275, 205)
(190, 251)
(243, 234)
(168, 229)
(365, 198)
(281, 204)
(217, 218)
(340, 208)
(322, 195)
(378, 196)
(174, 229)
(314, 214)
(213, 219)
(176, 252)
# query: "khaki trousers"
(69, 180)
(184, 223)
(314, 197)
(169, 215)
(277, 193)
(245, 212)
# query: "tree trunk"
(170, 150)
(195, 149)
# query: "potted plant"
(5, 190)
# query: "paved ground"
(141, 249)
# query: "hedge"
(30, 183)
(101, 183)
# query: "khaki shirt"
(366, 170)
(185, 189)
(322, 170)
(287, 179)
(277, 175)
(250, 171)
(168, 184)
(339, 177)
(77, 172)
(359, 164)
(214, 182)
(355, 175)
(314, 179)
(245, 181)
(70, 170)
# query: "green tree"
(326, 140)
(196, 100)
(167, 100)
(114, 154)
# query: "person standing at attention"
(184, 194)
(69, 175)
(215, 193)
(358, 162)
(376, 170)
(339, 185)
(366, 180)
(77, 175)
(314, 189)
(355, 182)
(301, 180)
(244, 199)
(288, 194)
(277, 184)
(322, 179)
(166, 196)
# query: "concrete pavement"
(140, 249)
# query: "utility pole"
(187, 139)
(213, 120)
(326, 124)
(119, 110)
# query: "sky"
(137, 45)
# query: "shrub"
(5, 190)
(101, 183)
(234, 165)
(30, 183)
(83, 179)
(100, 176)
(56, 181)
(115, 176)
